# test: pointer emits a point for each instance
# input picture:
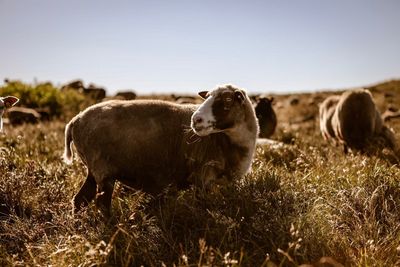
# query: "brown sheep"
(20, 115)
(355, 120)
(150, 144)
(266, 116)
(6, 103)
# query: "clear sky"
(186, 46)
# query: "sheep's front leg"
(86, 193)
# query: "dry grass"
(303, 201)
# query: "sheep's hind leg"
(104, 196)
(86, 193)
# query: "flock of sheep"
(151, 144)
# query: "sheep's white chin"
(202, 132)
(206, 131)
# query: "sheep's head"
(263, 107)
(221, 110)
(6, 102)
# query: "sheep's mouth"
(202, 130)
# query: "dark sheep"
(266, 116)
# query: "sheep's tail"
(67, 156)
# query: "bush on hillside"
(47, 97)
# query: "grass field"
(304, 202)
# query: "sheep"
(390, 114)
(127, 95)
(74, 85)
(326, 111)
(94, 92)
(356, 119)
(185, 99)
(150, 144)
(5, 103)
(266, 116)
(352, 119)
(20, 115)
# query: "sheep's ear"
(10, 101)
(240, 95)
(270, 99)
(203, 94)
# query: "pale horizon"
(185, 46)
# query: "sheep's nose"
(197, 119)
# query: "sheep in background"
(5, 103)
(355, 120)
(266, 116)
(94, 92)
(76, 85)
(126, 95)
(20, 115)
(149, 144)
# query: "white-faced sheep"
(266, 116)
(150, 144)
(355, 120)
(5, 103)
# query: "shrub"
(46, 97)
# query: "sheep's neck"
(244, 137)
